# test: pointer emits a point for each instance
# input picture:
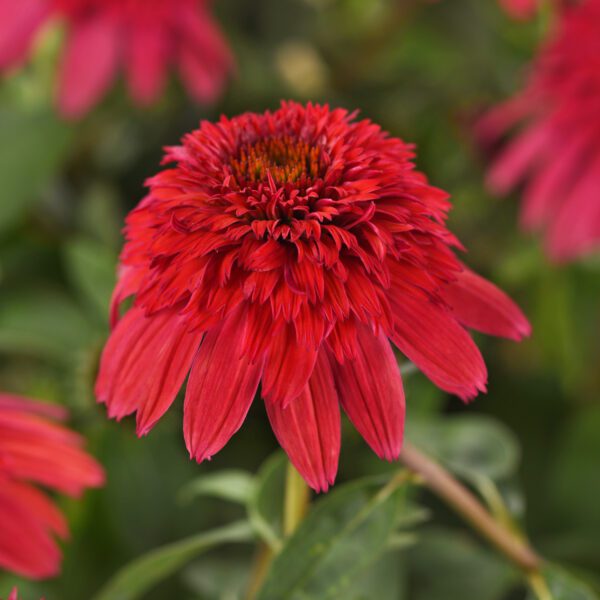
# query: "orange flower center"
(287, 160)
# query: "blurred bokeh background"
(424, 71)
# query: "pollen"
(287, 160)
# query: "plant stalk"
(296, 500)
(464, 502)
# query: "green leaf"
(92, 267)
(236, 486)
(265, 504)
(340, 537)
(472, 446)
(32, 148)
(142, 574)
(564, 586)
(450, 565)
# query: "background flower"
(556, 151)
(35, 450)
(143, 37)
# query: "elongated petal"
(89, 64)
(144, 364)
(288, 367)
(480, 305)
(19, 21)
(371, 392)
(147, 60)
(308, 428)
(220, 389)
(439, 346)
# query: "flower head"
(142, 36)
(556, 151)
(288, 249)
(34, 449)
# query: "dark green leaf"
(345, 532)
(265, 504)
(564, 586)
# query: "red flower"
(520, 9)
(287, 248)
(142, 36)
(34, 449)
(557, 150)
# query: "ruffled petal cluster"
(36, 451)
(141, 37)
(555, 152)
(292, 250)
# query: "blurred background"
(424, 71)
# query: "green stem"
(458, 497)
(296, 500)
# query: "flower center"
(287, 160)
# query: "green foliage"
(343, 534)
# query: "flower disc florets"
(286, 248)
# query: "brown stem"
(456, 495)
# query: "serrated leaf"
(142, 574)
(344, 533)
(236, 486)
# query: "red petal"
(144, 364)
(480, 305)
(220, 389)
(308, 429)
(288, 367)
(371, 392)
(438, 345)
(88, 66)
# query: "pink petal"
(88, 66)
(288, 367)
(431, 338)
(147, 61)
(220, 389)
(480, 305)
(575, 229)
(308, 428)
(520, 155)
(144, 365)
(205, 60)
(371, 392)
(19, 21)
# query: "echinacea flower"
(288, 249)
(144, 37)
(556, 150)
(34, 449)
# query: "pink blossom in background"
(143, 38)
(554, 148)
(36, 451)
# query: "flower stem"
(458, 497)
(296, 500)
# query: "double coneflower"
(144, 37)
(293, 250)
